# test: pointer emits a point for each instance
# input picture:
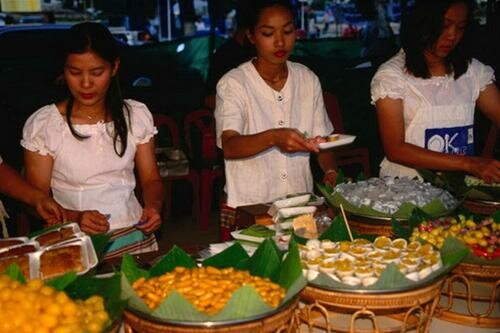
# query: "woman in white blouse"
(264, 108)
(426, 95)
(84, 148)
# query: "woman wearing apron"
(426, 95)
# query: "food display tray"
(279, 319)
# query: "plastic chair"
(191, 176)
(207, 157)
(345, 155)
(210, 102)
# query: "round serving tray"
(379, 291)
(484, 207)
(271, 321)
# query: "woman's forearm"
(13, 185)
(153, 194)
(241, 146)
(418, 157)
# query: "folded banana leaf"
(454, 182)
(245, 302)
(434, 208)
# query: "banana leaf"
(392, 280)
(15, 273)
(267, 261)
(454, 182)
(434, 208)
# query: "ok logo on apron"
(451, 140)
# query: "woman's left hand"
(150, 220)
(330, 177)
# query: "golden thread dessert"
(207, 288)
(35, 307)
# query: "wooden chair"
(345, 155)
(206, 156)
(163, 121)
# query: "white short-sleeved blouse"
(438, 102)
(247, 105)
(88, 174)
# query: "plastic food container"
(75, 253)
(68, 231)
(7, 242)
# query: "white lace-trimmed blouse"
(247, 105)
(88, 174)
(438, 112)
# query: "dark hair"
(258, 6)
(96, 38)
(421, 29)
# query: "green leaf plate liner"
(391, 279)
(267, 261)
(454, 182)
(435, 208)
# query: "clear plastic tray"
(54, 236)
(8, 242)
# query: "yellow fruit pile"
(207, 288)
(35, 307)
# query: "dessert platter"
(230, 290)
(373, 204)
(474, 282)
(397, 278)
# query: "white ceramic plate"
(344, 139)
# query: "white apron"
(441, 128)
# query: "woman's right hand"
(93, 222)
(485, 168)
(292, 140)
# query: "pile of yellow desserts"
(207, 288)
(35, 307)
(361, 262)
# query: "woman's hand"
(292, 140)
(50, 211)
(150, 220)
(485, 168)
(330, 177)
(93, 222)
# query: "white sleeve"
(42, 132)
(229, 107)
(387, 82)
(142, 124)
(485, 75)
